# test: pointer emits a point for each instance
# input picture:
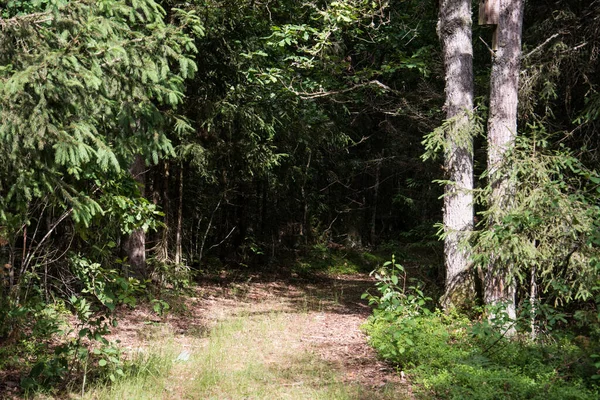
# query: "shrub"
(449, 357)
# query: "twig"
(538, 48)
(579, 46)
(35, 18)
(331, 224)
(500, 337)
(221, 242)
(492, 52)
(316, 95)
(31, 254)
(208, 229)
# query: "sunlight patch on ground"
(258, 347)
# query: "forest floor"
(251, 337)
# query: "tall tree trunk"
(375, 199)
(135, 245)
(502, 131)
(305, 230)
(162, 249)
(178, 247)
(454, 30)
(264, 206)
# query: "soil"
(332, 305)
(329, 309)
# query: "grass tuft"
(257, 356)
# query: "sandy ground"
(328, 308)
(327, 311)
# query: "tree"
(135, 244)
(454, 30)
(541, 239)
(292, 115)
(85, 88)
(502, 131)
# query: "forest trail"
(253, 338)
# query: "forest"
(326, 199)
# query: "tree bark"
(162, 247)
(454, 30)
(502, 131)
(135, 245)
(178, 247)
(375, 199)
(305, 229)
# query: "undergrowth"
(335, 260)
(448, 356)
(48, 347)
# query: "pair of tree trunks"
(161, 196)
(455, 33)
(135, 244)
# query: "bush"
(449, 357)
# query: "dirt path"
(302, 335)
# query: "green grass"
(244, 357)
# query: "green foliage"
(133, 213)
(10, 8)
(170, 275)
(551, 224)
(449, 357)
(107, 286)
(70, 358)
(31, 327)
(53, 353)
(396, 306)
(160, 307)
(320, 258)
(80, 93)
(85, 88)
(436, 142)
(285, 107)
(395, 297)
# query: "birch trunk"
(502, 131)
(454, 30)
